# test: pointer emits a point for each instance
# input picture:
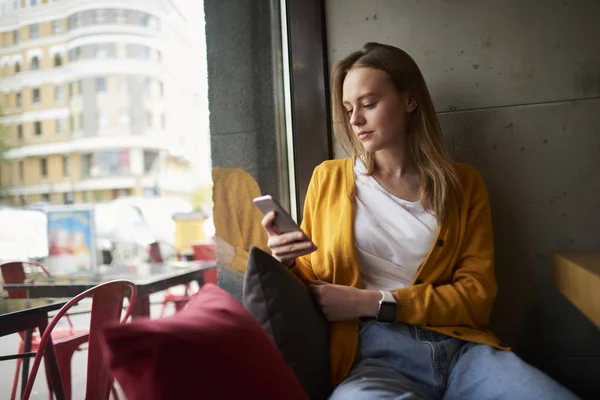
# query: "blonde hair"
(425, 144)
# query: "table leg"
(26, 349)
(52, 364)
(141, 308)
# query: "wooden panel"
(577, 276)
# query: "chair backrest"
(14, 272)
(155, 254)
(107, 305)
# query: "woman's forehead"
(363, 81)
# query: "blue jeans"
(401, 361)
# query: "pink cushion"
(212, 349)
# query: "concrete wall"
(240, 89)
(517, 86)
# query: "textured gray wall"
(517, 85)
(240, 88)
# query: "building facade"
(98, 99)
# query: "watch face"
(387, 312)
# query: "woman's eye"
(349, 113)
(369, 105)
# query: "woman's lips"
(364, 134)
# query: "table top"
(148, 278)
(577, 276)
(13, 310)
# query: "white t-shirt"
(392, 236)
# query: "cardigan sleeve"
(468, 299)
(302, 266)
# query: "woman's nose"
(356, 119)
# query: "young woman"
(404, 268)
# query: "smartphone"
(283, 221)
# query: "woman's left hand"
(343, 303)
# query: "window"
(150, 158)
(163, 121)
(149, 119)
(121, 18)
(17, 67)
(102, 119)
(57, 26)
(36, 95)
(124, 118)
(34, 31)
(66, 166)
(18, 99)
(44, 167)
(35, 63)
(122, 84)
(15, 36)
(21, 171)
(20, 132)
(71, 89)
(16, 4)
(37, 128)
(100, 16)
(68, 198)
(58, 93)
(80, 121)
(101, 51)
(46, 197)
(100, 85)
(57, 60)
(34, 3)
(146, 84)
(60, 126)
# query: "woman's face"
(377, 112)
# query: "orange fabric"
(236, 219)
(454, 290)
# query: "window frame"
(43, 167)
(31, 31)
(36, 99)
(35, 63)
(37, 132)
(311, 114)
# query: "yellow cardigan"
(454, 290)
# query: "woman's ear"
(412, 105)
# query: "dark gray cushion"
(283, 306)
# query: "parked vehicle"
(122, 234)
(22, 234)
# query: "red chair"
(107, 305)
(14, 272)
(202, 252)
(155, 255)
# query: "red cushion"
(212, 349)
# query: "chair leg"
(13, 394)
(113, 390)
(162, 311)
(64, 355)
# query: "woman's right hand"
(287, 246)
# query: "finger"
(291, 247)
(291, 255)
(317, 283)
(287, 239)
(268, 223)
(315, 290)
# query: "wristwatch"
(387, 307)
